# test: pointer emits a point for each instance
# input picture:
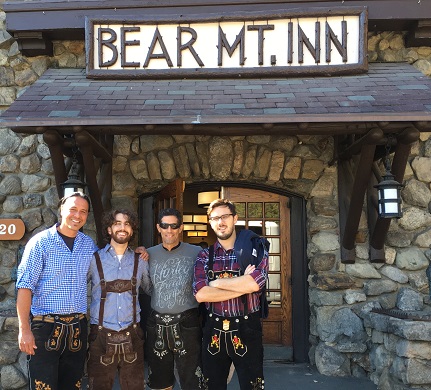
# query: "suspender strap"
(102, 287)
(104, 290)
(210, 271)
(211, 263)
(135, 285)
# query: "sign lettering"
(278, 46)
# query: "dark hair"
(77, 195)
(169, 211)
(220, 203)
(110, 217)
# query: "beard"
(225, 235)
(121, 240)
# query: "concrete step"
(277, 353)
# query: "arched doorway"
(277, 215)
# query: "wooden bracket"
(379, 227)
(350, 215)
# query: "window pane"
(274, 298)
(240, 209)
(274, 263)
(255, 210)
(274, 282)
(274, 245)
(255, 226)
(272, 228)
(272, 210)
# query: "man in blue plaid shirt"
(52, 292)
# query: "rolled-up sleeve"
(30, 267)
(260, 274)
(200, 277)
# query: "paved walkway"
(302, 376)
(286, 376)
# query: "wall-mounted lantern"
(73, 182)
(389, 193)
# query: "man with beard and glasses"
(116, 338)
(232, 331)
(173, 327)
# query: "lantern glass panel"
(390, 193)
(391, 207)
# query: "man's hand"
(143, 253)
(26, 342)
(250, 268)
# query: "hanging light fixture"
(389, 192)
(206, 197)
(193, 227)
(73, 182)
(195, 218)
(197, 234)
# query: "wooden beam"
(55, 145)
(362, 176)
(85, 146)
(227, 125)
(374, 136)
(105, 178)
(381, 227)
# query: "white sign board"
(278, 45)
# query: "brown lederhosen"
(118, 343)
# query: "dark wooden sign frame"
(275, 71)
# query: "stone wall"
(339, 294)
(400, 353)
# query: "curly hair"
(109, 219)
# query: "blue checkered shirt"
(56, 276)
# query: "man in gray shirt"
(173, 327)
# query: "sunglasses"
(173, 226)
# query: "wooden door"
(170, 196)
(268, 214)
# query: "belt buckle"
(66, 319)
(226, 324)
(166, 318)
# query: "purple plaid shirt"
(226, 260)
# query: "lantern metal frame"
(389, 192)
(73, 183)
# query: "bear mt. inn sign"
(253, 44)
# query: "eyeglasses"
(223, 217)
(173, 226)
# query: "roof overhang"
(390, 96)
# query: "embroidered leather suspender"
(117, 286)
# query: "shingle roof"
(66, 96)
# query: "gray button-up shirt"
(118, 306)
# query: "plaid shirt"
(226, 260)
(56, 276)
